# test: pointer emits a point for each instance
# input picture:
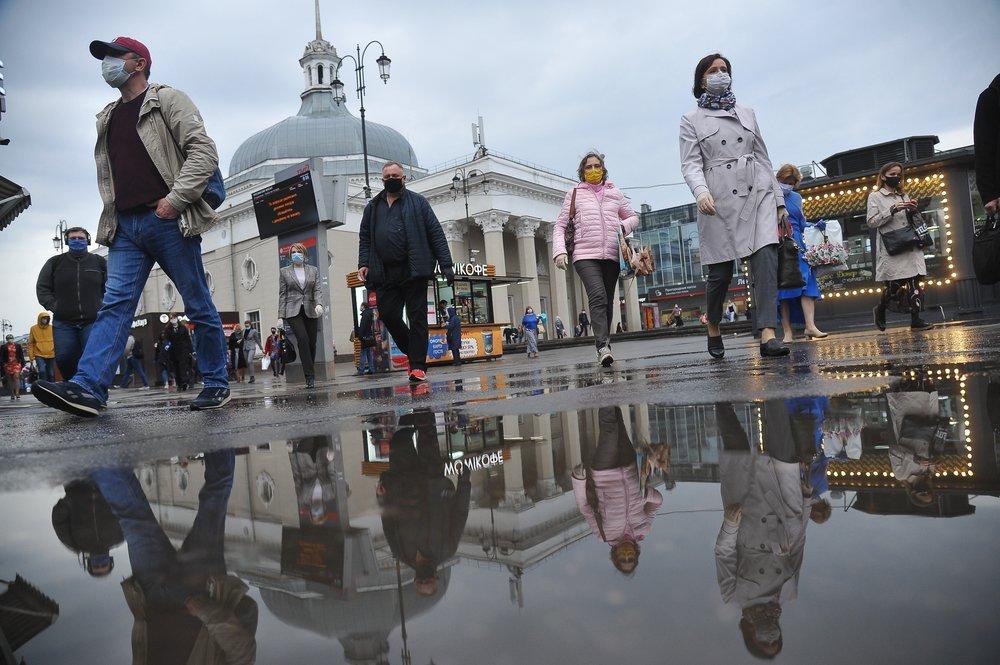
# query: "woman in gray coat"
(299, 298)
(888, 207)
(725, 163)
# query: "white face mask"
(113, 71)
(718, 83)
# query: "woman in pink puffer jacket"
(609, 495)
(600, 209)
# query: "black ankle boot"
(716, 348)
(879, 313)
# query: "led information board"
(286, 206)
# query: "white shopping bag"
(265, 363)
(834, 234)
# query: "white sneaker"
(144, 388)
(604, 357)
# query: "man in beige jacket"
(154, 161)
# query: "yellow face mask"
(594, 176)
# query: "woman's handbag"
(986, 251)
(789, 273)
(570, 235)
(913, 235)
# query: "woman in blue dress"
(798, 305)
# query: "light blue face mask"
(297, 257)
(113, 71)
(718, 83)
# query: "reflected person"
(911, 452)
(186, 608)
(758, 552)
(83, 522)
(610, 495)
(423, 512)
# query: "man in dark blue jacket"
(400, 241)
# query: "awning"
(14, 200)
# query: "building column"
(633, 312)
(454, 233)
(544, 463)
(524, 229)
(492, 224)
(560, 290)
(571, 439)
(513, 475)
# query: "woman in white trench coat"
(725, 163)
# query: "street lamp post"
(383, 62)
(58, 240)
(461, 182)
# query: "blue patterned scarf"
(724, 101)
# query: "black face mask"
(393, 185)
(892, 180)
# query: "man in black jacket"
(179, 338)
(71, 286)
(400, 241)
(986, 136)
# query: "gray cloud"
(551, 79)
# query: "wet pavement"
(838, 507)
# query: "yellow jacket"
(40, 342)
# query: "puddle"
(845, 527)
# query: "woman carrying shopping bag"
(588, 229)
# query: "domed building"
(502, 218)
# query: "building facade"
(503, 215)
(943, 183)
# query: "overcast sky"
(551, 80)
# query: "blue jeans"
(141, 240)
(46, 368)
(70, 339)
(134, 365)
(167, 576)
(367, 361)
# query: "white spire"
(319, 31)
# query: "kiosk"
(482, 336)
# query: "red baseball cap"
(120, 45)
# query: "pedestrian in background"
(71, 286)
(900, 274)
(236, 357)
(986, 137)
(400, 242)
(154, 163)
(179, 338)
(560, 328)
(725, 164)
(251, 342)
(134, 364)
(678, 315)
(42, 348)
(299, 304)
(584, 322)
(367, 340)
(162, 357)
(272, 349)
(13, 361)
(600, 213)
(529, 323)
(455, 336)
(798, 305)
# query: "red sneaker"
(418, 375)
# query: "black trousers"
(180, 368)
(412, 339)
(599, 277)
(763, 287)
(614, 449)
(304, 329)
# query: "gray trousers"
(599, 277)
(249, 354)
(763, 287)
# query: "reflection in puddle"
(585, 516)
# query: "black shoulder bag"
(986, 251)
